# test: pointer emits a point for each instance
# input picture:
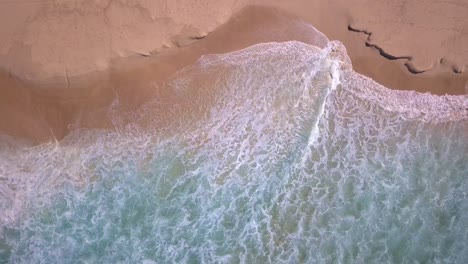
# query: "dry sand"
(63, 62)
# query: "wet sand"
(63, 69)
(48, 111)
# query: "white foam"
(284, 155)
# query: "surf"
(279, 152)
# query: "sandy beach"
(233, 131)
(63, 63)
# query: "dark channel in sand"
(40, 111)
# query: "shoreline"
(398, 44)
(44, 110)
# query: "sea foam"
(275, 153)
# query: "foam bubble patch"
(276, 153)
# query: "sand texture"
(41, 112)
(52, 40)
(429, 35)
(63, 62)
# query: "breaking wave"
(275, 153)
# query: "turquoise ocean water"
(278, 153)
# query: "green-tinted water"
(282, 164)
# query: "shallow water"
(277, 153)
